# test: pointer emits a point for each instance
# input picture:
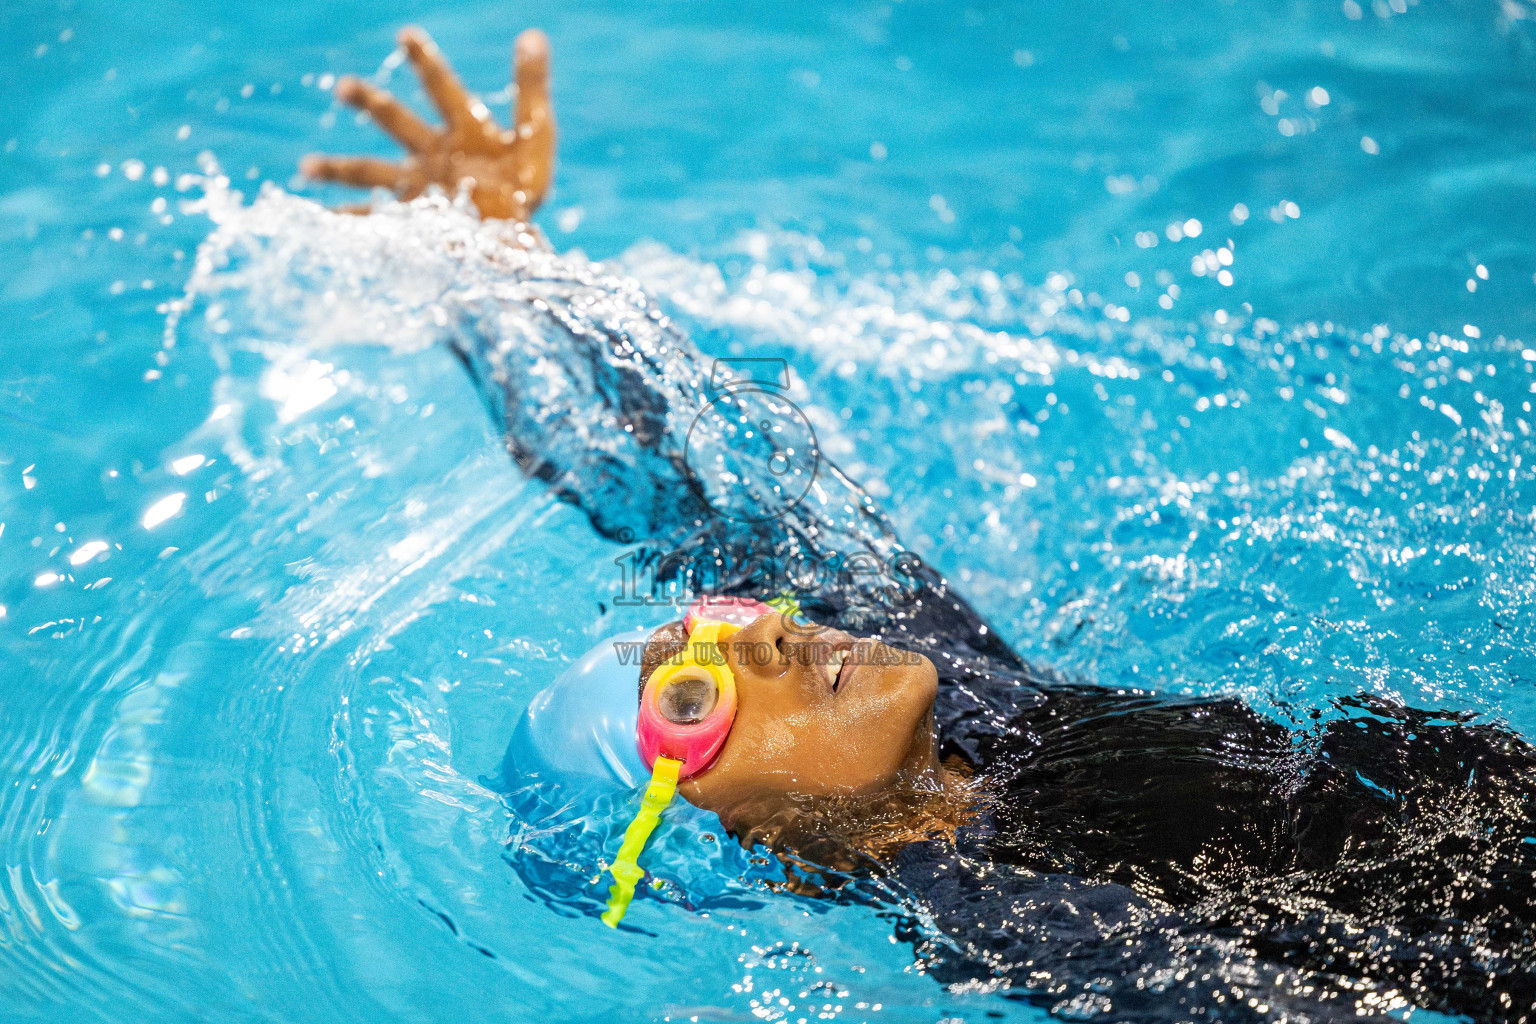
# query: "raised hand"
(508, 171)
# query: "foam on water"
(276, 595)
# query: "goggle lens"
(687, 700)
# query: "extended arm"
(603, 397)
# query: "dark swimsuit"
(1144, 857)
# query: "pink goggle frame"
(689, 703)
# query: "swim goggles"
(686, 712)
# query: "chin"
(914, 688)
(917, 682)
(928, 679)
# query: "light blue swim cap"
(580, 731)
(573, 780)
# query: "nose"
(775, 645)
(762, 649)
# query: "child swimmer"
(1093, 850)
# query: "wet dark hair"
(667, 642)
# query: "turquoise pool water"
(1193, 343)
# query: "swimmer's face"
(819, 713)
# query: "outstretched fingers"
(387, 112)
(362, 171)
(447, 92)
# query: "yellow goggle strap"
(702, 651)
(626, 868)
